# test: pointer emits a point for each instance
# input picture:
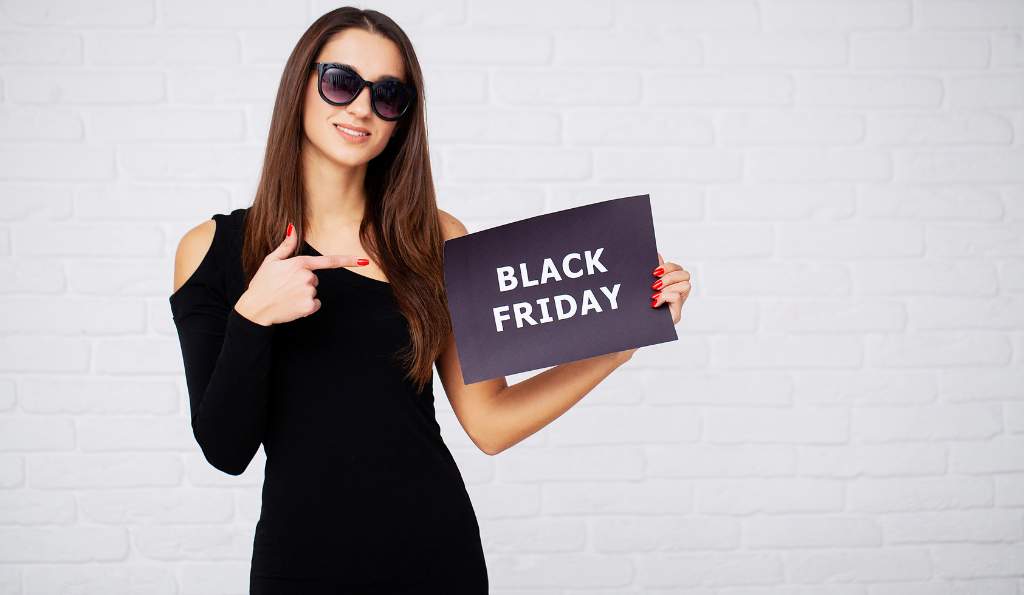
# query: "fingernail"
(288, 233)
(656, 284)
(658, 271)
(655, 296)
(653, 302)
(362, 262)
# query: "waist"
(360, 520)
(306, 483)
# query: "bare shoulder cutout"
(192, 249)
(451, 227)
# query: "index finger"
(327, 261)
(667, 266)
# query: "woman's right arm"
(227, 357)
(227, 354)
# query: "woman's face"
(373, 56)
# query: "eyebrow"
(385, 77)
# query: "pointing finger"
(331, 261)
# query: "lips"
(352, 128)
(350, 137)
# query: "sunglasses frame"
(323, 66)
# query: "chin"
(352, 157)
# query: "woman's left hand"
(672, 286)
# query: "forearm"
(228, 376)
(522, 409)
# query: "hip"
(396, 562)
(469, 579)
(369, 533)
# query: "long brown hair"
(400, 228)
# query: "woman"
(330, 368)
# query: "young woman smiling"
(330, 368)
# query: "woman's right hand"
(284, 288)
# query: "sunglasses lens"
(340, 85)
(391, 99)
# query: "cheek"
(386, 135)
(314, 107)
(312, 101)
(314, 127)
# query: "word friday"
(564, 304)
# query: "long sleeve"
(227, 360)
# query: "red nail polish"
(288, 233)
(363, 262)
(656, 284)
(653, 302)
(655, 296)
(659, 271)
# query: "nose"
(360, 106)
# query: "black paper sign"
(555, 288)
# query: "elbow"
(490, 439)
(230, 458)
(490, 450)
(488, 445)
(229, 467)
(232, 465)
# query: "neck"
(335, 197)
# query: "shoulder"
(192, 250)
(450, 226)
(200, 242)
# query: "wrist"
(245, 307)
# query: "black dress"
(360, 492)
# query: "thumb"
(287, 245)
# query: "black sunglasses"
(340, 84)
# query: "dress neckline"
(369, 281)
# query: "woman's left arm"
(497, 416)
(520, 410)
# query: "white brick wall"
(842, 415)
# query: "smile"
(350, 134)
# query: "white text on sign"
(565, 305)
